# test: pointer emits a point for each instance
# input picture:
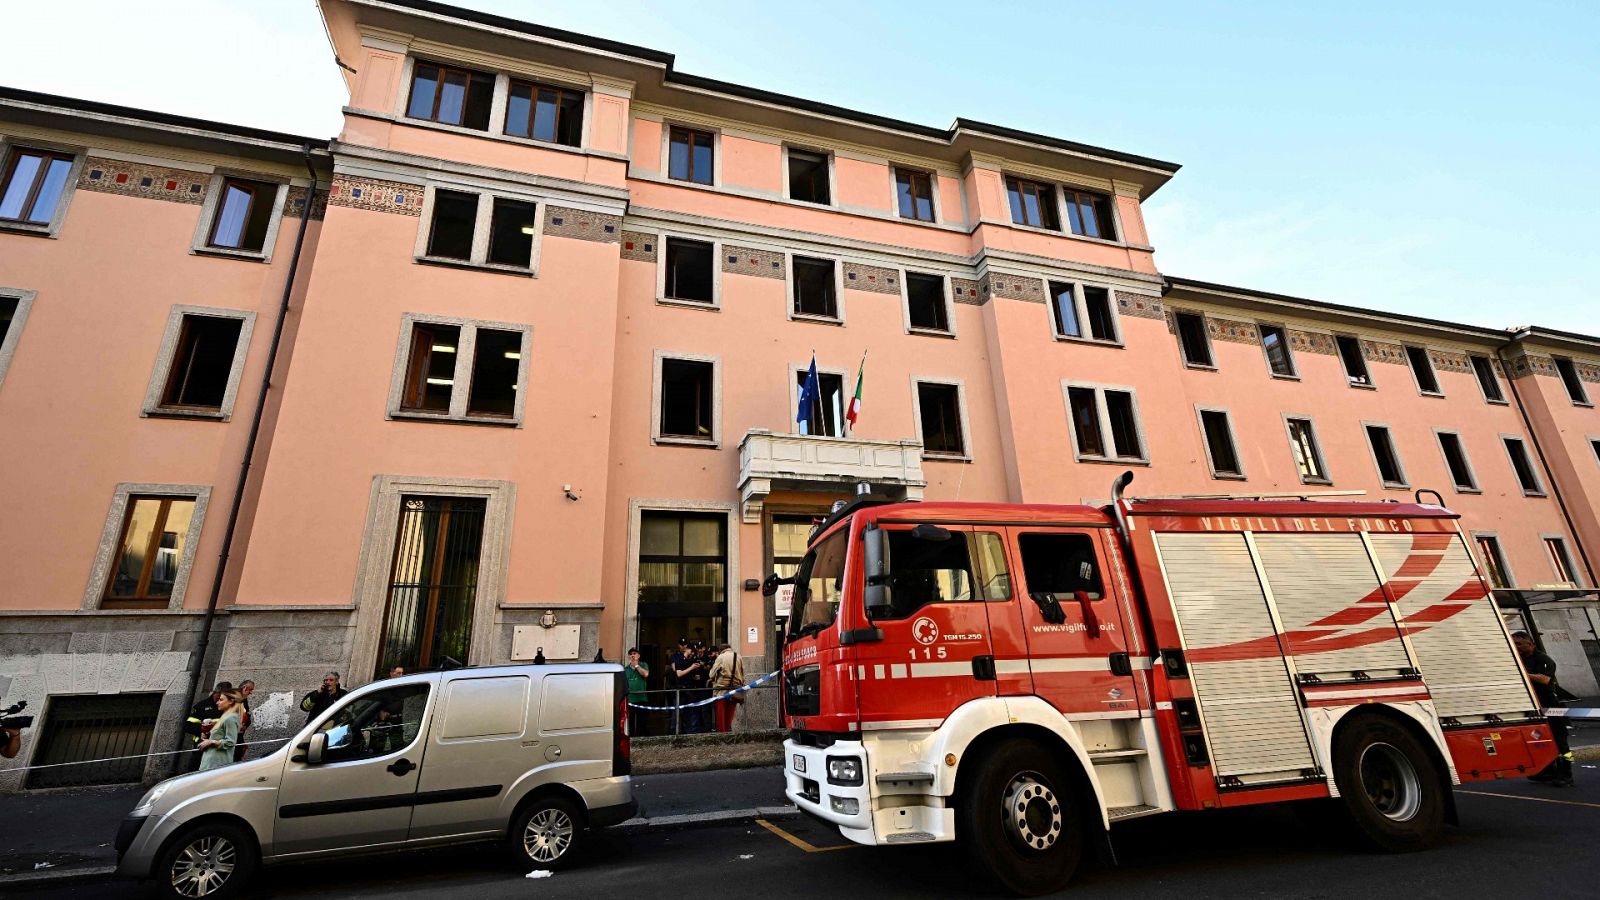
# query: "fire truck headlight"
(844, 770)
(844, 806)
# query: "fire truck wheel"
(1389, 787)
(1019, 821)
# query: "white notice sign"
(782, 599)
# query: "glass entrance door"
(433, 583)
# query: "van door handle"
(401, 766)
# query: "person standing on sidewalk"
(246, 688)
(217, 749)
(637, 673)
(727, 673)
(1541, 671)
(201, 717)
(318, 701)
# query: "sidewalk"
(71, 831)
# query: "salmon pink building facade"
(539, 322)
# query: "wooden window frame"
(249, 187)
(1049, 213)
(13, 157)
(693, 134)
(1108, 438)
(1560, 556)
(533, 111)
(1288, 352)
(963, 427)
(141, 600)
(658, 398)
(1486, 544)
(1315, 448)
(463, 374)
(1081, 198)
(912, 176)
(438, 95)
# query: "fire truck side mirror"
(877, 599)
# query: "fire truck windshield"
(818, 584)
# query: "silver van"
(533, 755)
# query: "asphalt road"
(1534, 841)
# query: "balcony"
(769, 461)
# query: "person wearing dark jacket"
(1541, 671)
(317, 702)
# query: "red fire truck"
(1021, 677)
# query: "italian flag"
(855, 402)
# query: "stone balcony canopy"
(769, 461)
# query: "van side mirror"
(315, 748)
(878, 600)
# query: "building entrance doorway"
(433, 583)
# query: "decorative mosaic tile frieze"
(871, 278)
(1587, 371)
(376, 195)
(1384, 352)
(1450, 361)
(965, 290)
(1140, 306)
(1012, 287)
(1530, 364)
(760, 263)
(582, 225)
(1232, 331)
(639, 246)
(1313, 342)
(111, 176)
(295, 204)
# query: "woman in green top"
(217, 749)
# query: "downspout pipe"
(249, 448)
(1538, 450)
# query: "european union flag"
(809, 394)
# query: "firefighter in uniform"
(1541, 671)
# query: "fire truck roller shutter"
(1248, 705)
(1335, 618)
(1468, 664)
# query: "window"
(480, 230)
(926, 307)
(1523, 466)
(433, 583)
(450, 96)
(940, 569)
(1033, 204)
(14, 308)
(1594, 444)
(1455, 459)
(913, 193)
(1487, 382)
(939, 414)
(33, 184)
(827, 414)
(1383, 453)
(808, 177)
(1560, 561)
(1060, 564)
(1193, 340)
(457, 369)
(1064, 306)
(242, 216)
(1355, 362)
(688, 400)
(1307, 455)
(1220, 448)
(1082, 311)
(1422, 370)
(1275, 343)
(683, 559)
(691, 155)
(117, 728)
(819, 583)
(1105, 424)
(1089, 214)
(203, 363)
(690, 271)
(1097, 309)
(1494, 562)
(150, 552)
(376, 724)
(545, 113)
(815, 293)
(1569, 377)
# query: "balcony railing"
(769, 461)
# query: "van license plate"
(799, 763)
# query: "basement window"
(450, 95)
(118, 729)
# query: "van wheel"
(213, 860)
(546, 834)
(1390, 789)
(1019, 819)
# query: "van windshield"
(818, 584)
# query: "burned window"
(450, 95)
(689, 271)
(462, 371)
(1097, 312)
(808, 177)
(1383, 453)
(1422, 368)
(243, 214)
(1193, 339)
(1032, 203)
(815, 293)
(1487, 382)
(1455, 459)
(511, 230)
(1105, 423)
(925, 302)
(545, 113)
(430, 375)
(1568, 370)
(1527, 478)
(202, 363)
(32, 184)
(1494, 562)
(1220, 447)
(687, 399)
(455, 215)
(1355, 362)
(914, 194)
(1060, 564)
(939, 406)
(496, 366)
(691, 155)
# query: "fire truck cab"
(1021, 677)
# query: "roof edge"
(78, 104)
(1500, 334)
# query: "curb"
(1586, 754)
(55, 876)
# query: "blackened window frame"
(1483, 371)
(944, 312)
(948, 397)
(835, 295)
(1567, 369)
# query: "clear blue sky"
(1435, 158)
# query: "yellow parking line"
(1534, 799)
(805, 845)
